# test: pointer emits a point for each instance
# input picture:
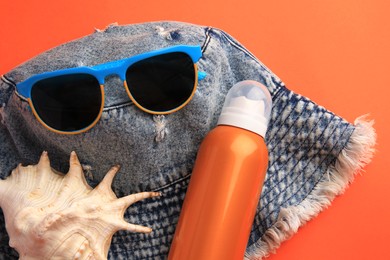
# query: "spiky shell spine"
(50, 215)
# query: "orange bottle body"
(222, 197)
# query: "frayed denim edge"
(356, 155)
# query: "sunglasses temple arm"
(201, 75)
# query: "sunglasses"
(71, 101)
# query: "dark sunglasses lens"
(67, 102)
(162, 83)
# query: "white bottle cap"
(247, 105)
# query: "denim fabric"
(157, 152)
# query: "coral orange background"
(336, 52)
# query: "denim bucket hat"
(313, 153)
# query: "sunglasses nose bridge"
(109, 69)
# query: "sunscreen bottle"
(226, 182)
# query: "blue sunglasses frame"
(101, 71)
(118, 67)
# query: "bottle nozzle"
(247, 105)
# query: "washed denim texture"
(158, 152)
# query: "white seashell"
(49, 215)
